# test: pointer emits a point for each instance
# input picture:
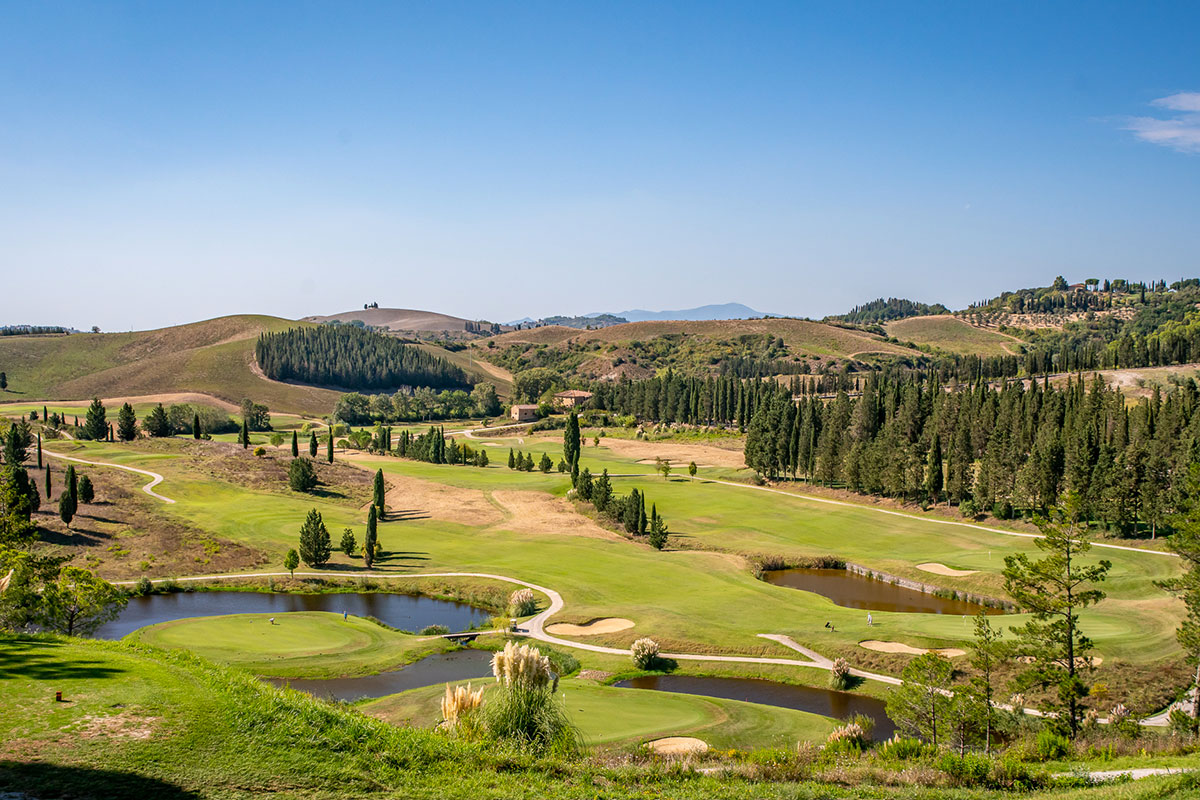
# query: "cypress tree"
(641, 514)
(65, 511)
(71, 488)
(245, 437)
(512, 463)
(933, 471)
(39, 443)
(45, 417)
(48, 487)
(295, 445)
(312, 445)
(378, 492)
(370, 537)
(329, 449)
(196, 432)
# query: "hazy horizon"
(164, 164)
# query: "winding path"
(156, 479)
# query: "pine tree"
(196, 432)
(295, 444)
(127, 425)
(349, 544)
(379, 493)
(528, 462)
(933, 470)
(315, 546)
(1186, 543)
(96, 426)
(87, 492)
(66, 512)
(157, 423)
(545, 464)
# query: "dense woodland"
(890, 309)
(345, 355)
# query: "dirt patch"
(594, 675)
(678, 746)
(536, 512)
(1081, 661)
(645, 452)
(900, 647)
(415, 498)
(593, 628)
(942, 569)
(125, 725)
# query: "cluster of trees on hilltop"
(892, 308)
(421, 404)
(1092, 295)
(1010, 450)
(31, 330)
(345, 355)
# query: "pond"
(826, 702)
(438, 668)
(407, 612)
(852, 590)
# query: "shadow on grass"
(39, 779)
(404, 514)
(43, 660)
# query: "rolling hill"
(398, 319)
(953, 335)
(719, 311)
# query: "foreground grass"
(142, 722)
(300, 644)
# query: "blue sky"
(165, 162)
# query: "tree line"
(349, 356)
(1011, 450)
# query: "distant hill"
(405, 319)
(599, 321)
(892, 308)
(700, 313)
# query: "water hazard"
(407, 612)
(826, 702)
(851, 590)
(438, 668)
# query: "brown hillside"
(397, 319)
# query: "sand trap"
(900, 647)
(678, 746)
(593, 628)
(638, 449)
(674, 464)
(942, 569)
(490, 444)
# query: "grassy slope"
(801, 336)
(139, 722)
(610, 716)
(302, 644)
(952, 335)
(476, 369)
(213, 357)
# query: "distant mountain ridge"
(698, 314)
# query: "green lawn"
(302, 644)
(611, 716)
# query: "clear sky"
(166, 162)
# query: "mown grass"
(301, 644)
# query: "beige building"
(572, 398)
(523, 413)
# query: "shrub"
(87, 492)
(644, 652)
(522, 603)
(850, 736)
(144, 586)
(260, 451)
(969, 769)
(524, 709)
(839, 675)
(905, 749)
(1052, 745)
(301, 475)
(434, 630)
(459, 707)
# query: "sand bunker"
(593, 628)
(900, 647)
(677, 454)
(942, 569)
(674, 464)
(678, 746)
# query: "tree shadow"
(389, 556)
(42, 660)
(39, 779)
(327, 494)
(662, 664)
(403, 514)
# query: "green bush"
(434, 630)
(907, 749)
(1051, 745)
(301, 475)
(970, 769)
(144, 586)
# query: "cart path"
(155, 478)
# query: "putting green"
(302, 644)
(611, 716)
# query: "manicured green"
(301, 644)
